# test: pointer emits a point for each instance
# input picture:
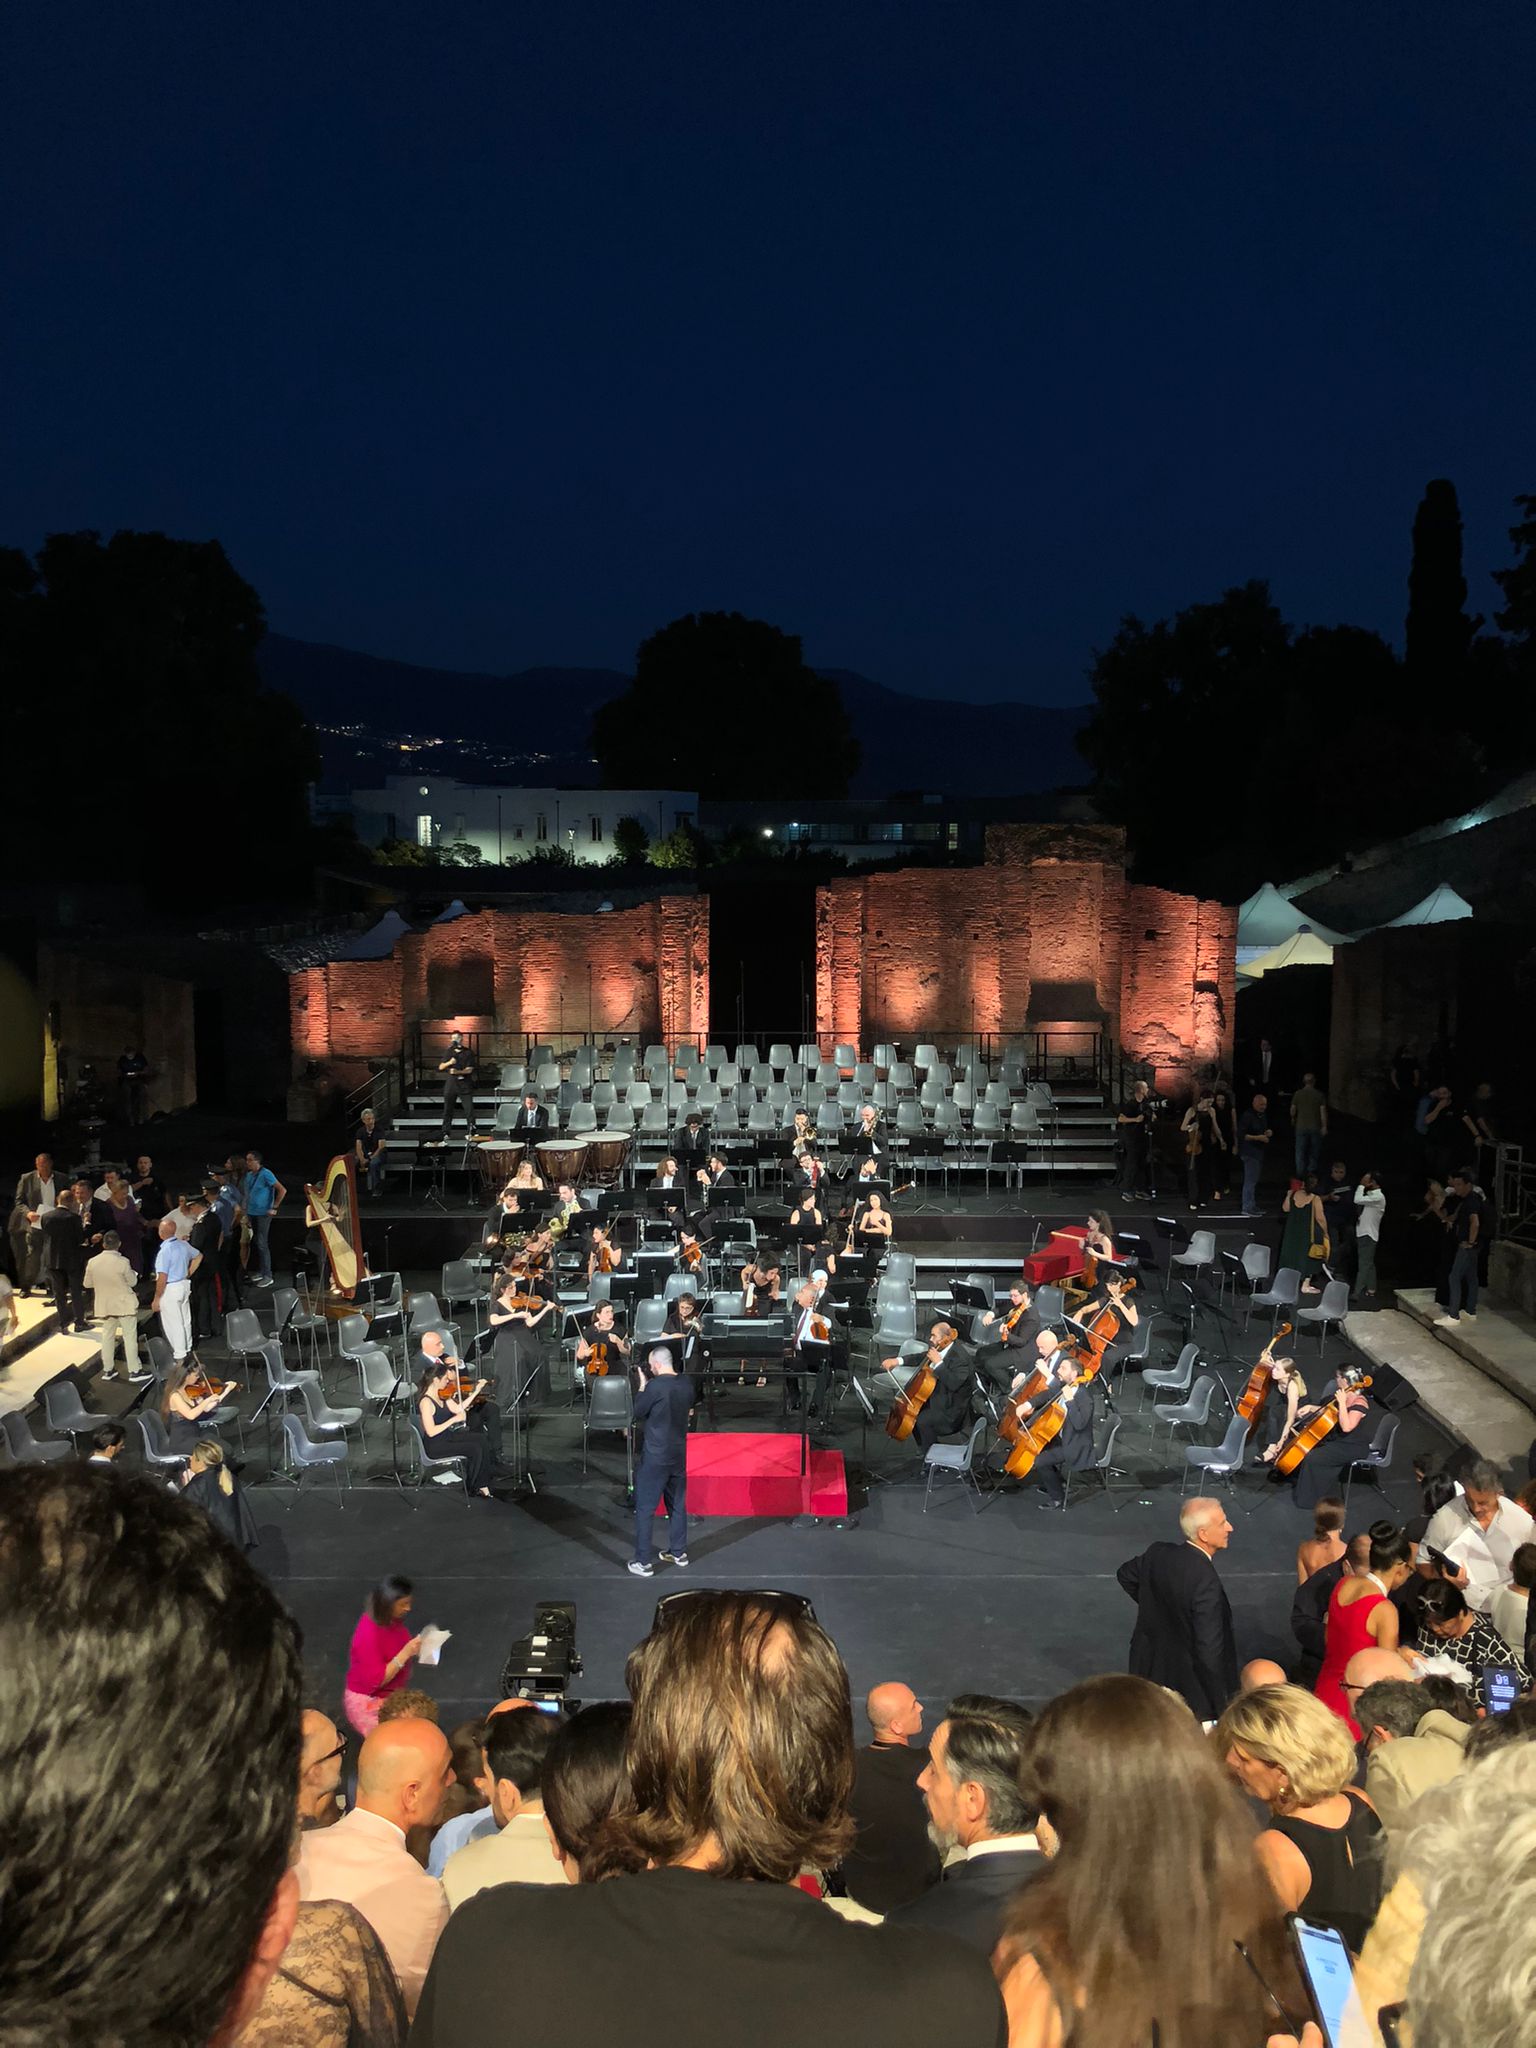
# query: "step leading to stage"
(42, 1362)
(1500, 1343)
(1454, 1391)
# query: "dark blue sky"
(942, 334)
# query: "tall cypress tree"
(1438, 631)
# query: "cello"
(902, 1420)
(1256, 1393)
(1033, 1438)
(1322, 1425)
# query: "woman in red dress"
(1361, 1616)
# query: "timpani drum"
(606, 1156)
(561, 1159)
(498, 1159)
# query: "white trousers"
(109, 1329)
(176, 1317)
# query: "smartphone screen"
(1330, 1980)
(1501, 1688)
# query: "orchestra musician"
(458, 1071)
(669, 1180)
(519, 1316)
(801, 1132)
(714, 1173)
(527, 1176)
(443, 1406)
(1204, 1144)
(1282, 1416)
(690, 1249)
(566, 1206)
(868, 1135)
(875, 1222)
(190, 1403)
(506, 1217)
(1319, 1473)
(532, 1117)
(1072, 1450)
(807, 1169)
(691, 1142)
(947, 1411)
(1015, 1330)
(601, 1338)
(813, 1340)
(604, 1255)
(1100, 1239)
(761, 1283)
(683, 1320)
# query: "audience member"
(466, 1812)
(1479, 1532)
(1325, 1546)
(1361, 1615)
(1309, 1609)
(175, 1263)
(382, 1653)
(1448, 1627)
(1153, 1890)
(1322, 1848)
(740, 1765)
(110, 1282)
(893, 1860)
(262, 1194)
(409, 1704)
(63, 1241)
(1510, 1612)
(1183, 1635)
(149, 1713)
(320, 1770)
(1261, 1671)
(981, 1804)
(584, 1775)
(402, 1772)
(517, 1851)
(107, 1444)
(1409, 1750)
(1370, 1207)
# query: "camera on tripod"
(541, 1664)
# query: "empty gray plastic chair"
(1218, 1461)
(1193, 1413)
(1332, 1307)
(154, 1443)
(1283, 1294)
(67, 1414)
(243, 1334)
(322, 1420)
(305, 1457)
(610, 1406)
(1201, 1253)
(25, 1448)
(959, 1461)
(290, 1318)
(1376, 1459)
(1173, 1379)
(462, 1288)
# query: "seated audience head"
(741, 1743)
(1523, 1566)
(319, 1769)
(1285, 1747)
(1374, 1667)
(403, 1769)
(1439, 1492)
(1443, 1609)
(409, 1704)
(1389, 1710)
(1262, 1671)
(1495, 1731)
(1471, 1847)
(974, 1781)
(583, 1775)
(108, 1441)
(894, 1712)
(150, 1721)
(1154, 1879)
(1357, 1555)
(516, 1743)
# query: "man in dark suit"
(947, 1410)
(533, 1116)
(1183, 1635)
(893, 1859)
(64, 1258)
(715, 1173)
(35, 1192)
(978, 1797)
(691, 1145)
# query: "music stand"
(1175, 1236)
(966, 1294)
(727, 1198)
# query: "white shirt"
(1369, 1204)
(1002, 1845)
(519, 1853)
(1509, 1612)
(182, 1221)
(363, 1861)
(1487, 1553)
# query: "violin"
(607, 1259)
(605, 1354)
(902, 1420)
(514, 1303)
(460, 1386)
(199, 1387)
(691, 1254)
(1256, 1393)
(1322, 1425)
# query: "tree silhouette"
(131, 665)
(630, 840)
(726, 705)
(1437, 631)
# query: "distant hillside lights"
(410, 820)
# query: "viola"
(598, 1366)
(692, 1255)
(1256, 1393)
(902, 1420)
(607, 1259)
(1322, 1425)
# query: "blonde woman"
(209, 1483)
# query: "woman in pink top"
(383, 1651)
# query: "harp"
(332, 1210)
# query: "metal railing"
(1515, 1179)
(382, 1092)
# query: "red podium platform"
(744, 1472)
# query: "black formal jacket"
(1183, 1635)
(676, 1958)
(892, 1860)
(535, 1119)
(1309, 1610)
(63, 1237)
(973, 1898)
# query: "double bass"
(1256, 1393)
(902, 1420)
(1323, 1424)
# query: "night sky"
(493, 335)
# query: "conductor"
(662, 1407)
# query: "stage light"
(767, 831)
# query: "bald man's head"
(1262, 1671)
(319, 1768)
(405, 1768)
(1367, 1667)
(895, 1712)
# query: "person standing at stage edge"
(662, 1408)
(1183, 1636)
(1135, 1128)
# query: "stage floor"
(1010, 1600)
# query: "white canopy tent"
(379, 941)
(1304, 948)
(1442, 905)
(1268, 919)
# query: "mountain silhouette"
(908, 742)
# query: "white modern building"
(507, 822)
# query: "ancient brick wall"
(641, 972)
(1046, 932)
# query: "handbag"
(1319, 1248)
